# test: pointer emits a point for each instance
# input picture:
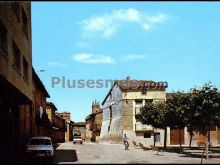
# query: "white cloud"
(57, 64)
(146, 26)
(107, 24)
(130, 15)
(158, 18)
(134, 57)
(103, 25)
(92, 59)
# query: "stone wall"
(88, 132)
(128, 116)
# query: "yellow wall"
(149, 95)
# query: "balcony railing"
(143, 127)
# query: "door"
(218, 135)
(174, 136)
(202, 138)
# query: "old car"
(40, 146)
(77, 138)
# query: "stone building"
(69, 125)
(40, 123)
(122, 102)
(88, 131)
(57, 127)
(65, 115)
(15, 77)
(94, 123)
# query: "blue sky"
(177, 42)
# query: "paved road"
(114, 153)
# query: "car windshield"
(77, 136)
(40, 142)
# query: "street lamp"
(41, 70)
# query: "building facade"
(40, 123)
(120, 106)
(94, 123)
(57, 127)
(15, 77)
(174, 136)
(69, 125)
(80, 127)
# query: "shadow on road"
(60, 156)
(64, 156)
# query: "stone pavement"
(115, 153)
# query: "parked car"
(77, 138)
(40, 146)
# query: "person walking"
(126, 142)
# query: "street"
(113, 153)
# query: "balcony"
(143, 127)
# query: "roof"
(52, 104)
(93, 114)
(88, 117)
(108, 94)
(59, 117)
(124, 86)
(37, 80)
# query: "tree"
(205, 102)
(176, 111)
(153, 114)
(198, 110)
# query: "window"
(144, 91)
(3, 39)
(138, 105)
(16, 7)
(24, 22)
(108, 128)
(40, 142)
(17, 56)
(147, 135)
(25, 69)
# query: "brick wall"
(15, 33)
(17, 84)
(25, 124)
